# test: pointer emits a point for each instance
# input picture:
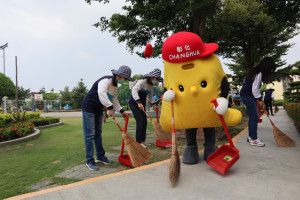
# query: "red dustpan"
(225, 156)
(124, 158)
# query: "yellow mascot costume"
(193, 76)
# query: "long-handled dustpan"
(124, 158)
(225, 156)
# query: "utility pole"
(17, 103)
(3, 48)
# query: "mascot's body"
(196, 77)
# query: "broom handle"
(268, 116)
(214, 101)
(173, 129)
(148, 115)
(125, 130)
(156, 110)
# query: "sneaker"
(143, 145)
(257, 142)
(92, 166)
(249, 139)
(104, 160)
(146, 144)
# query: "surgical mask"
(121, 81)
(154, 81)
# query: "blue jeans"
(92, 129)
(250, 103)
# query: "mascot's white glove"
(169, 95)
(222, 106)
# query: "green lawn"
(58, 148)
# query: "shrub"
(293, 110)
(32, 115)
(17, 130)
(244, 111)
(42, 121)
(21, 129)
(5, 119)
(278, 103)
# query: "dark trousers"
(141, 122)
(209, 136)
(268, 104)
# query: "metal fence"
(33, 105)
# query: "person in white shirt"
(103, 93)
(142, 89)
(250, 93)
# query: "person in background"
(268, 98)
(250, 93)
(103, 93)
(141, 90)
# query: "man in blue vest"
(103, 93)
(268, 98)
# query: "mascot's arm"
(169, 95)
(222, 100)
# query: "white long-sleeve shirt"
(256, 86)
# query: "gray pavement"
(267, 172)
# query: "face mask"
(154, 81)
(121, 81)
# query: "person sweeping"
(103, 93)
(141, 90)
(268, 98)
(250, 92)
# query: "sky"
(56, 44)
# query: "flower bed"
(293, 110)
(17, 125)
(42, 121)
(17, 130)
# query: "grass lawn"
(59, 148)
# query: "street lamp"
(3, 48)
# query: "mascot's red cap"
(186, 46)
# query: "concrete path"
(267, 172)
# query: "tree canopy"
(79, 93)
(154, 20)
(7, 87)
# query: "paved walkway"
(267, 172)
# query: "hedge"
(293, 110)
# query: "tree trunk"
(199, 24)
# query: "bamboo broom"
(281, 139)
(276, 109)
(160, 133)
(175, 161)
(138, 154)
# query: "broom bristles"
(174, 168)
(160, 133)
(281, 139)
(276, 109)
(138, 154)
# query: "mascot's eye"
(181, 88)
(203, 84)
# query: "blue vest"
(268, 95)
(91, 102)
(247, 87)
